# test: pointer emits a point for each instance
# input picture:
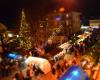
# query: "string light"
(25, 33)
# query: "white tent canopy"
(43, 64)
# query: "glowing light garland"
(25, 33)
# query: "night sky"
(10, 9)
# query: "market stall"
(82, 37)
(64, 45)
(43, 64)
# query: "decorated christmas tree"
(25, 33)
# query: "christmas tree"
(25, 33)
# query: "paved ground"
(48, 76)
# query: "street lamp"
(62, 9)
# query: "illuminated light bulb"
(62, 9)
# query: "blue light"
(12, 55)
(75, 73)
(68, 79)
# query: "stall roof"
(36, 60)
(64, 45)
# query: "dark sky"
(10, 9)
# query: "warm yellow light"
(25, 33)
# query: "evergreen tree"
(25, 33)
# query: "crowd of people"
(33, 71)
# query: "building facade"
(94, 22)
(60, 24)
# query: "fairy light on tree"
(25, 33)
